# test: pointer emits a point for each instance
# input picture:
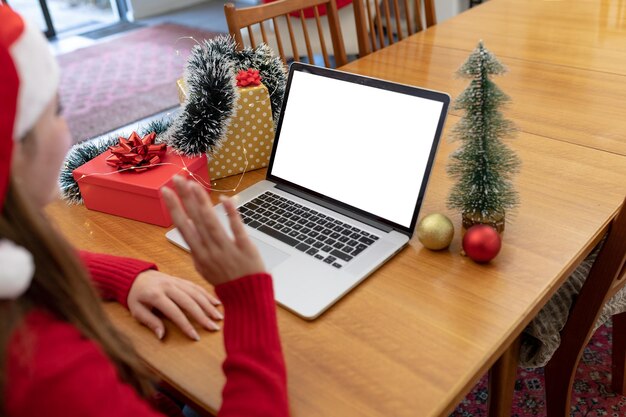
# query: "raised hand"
(217, 257)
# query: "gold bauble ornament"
(435, 231)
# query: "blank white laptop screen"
(363, 146)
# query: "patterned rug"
(115, 83)
(591, 396)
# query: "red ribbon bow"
(136, 153)
(248, 77)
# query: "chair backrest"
(287, 18)
(606, 277)
(380, 23)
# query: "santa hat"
(29, 79)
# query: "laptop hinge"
(334, 207)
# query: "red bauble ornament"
(481, 243)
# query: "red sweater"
(52, 370)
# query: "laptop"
(348, 171)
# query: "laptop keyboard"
(316, 234)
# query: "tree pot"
(496, 220)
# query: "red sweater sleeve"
(256, 381)
(113, 275)
(54, 371)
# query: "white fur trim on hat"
(39, 78)
(17, 270)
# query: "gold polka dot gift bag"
(250, 134)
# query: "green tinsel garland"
(212, 92)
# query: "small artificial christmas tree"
(483, 166)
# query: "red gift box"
(135, 195)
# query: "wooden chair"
(380, 23)
(276, 19)
(605, 279)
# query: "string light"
(177, 51)
(185, 168)
(245, 155)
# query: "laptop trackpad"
(272, 256)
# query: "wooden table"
(415, 337)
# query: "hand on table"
(176, 298)
(217, 257)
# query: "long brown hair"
(62, 287)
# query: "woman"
(62, 357)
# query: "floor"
(208, 16)
(68, 15)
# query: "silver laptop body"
(351, 160)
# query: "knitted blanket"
(542, 336)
